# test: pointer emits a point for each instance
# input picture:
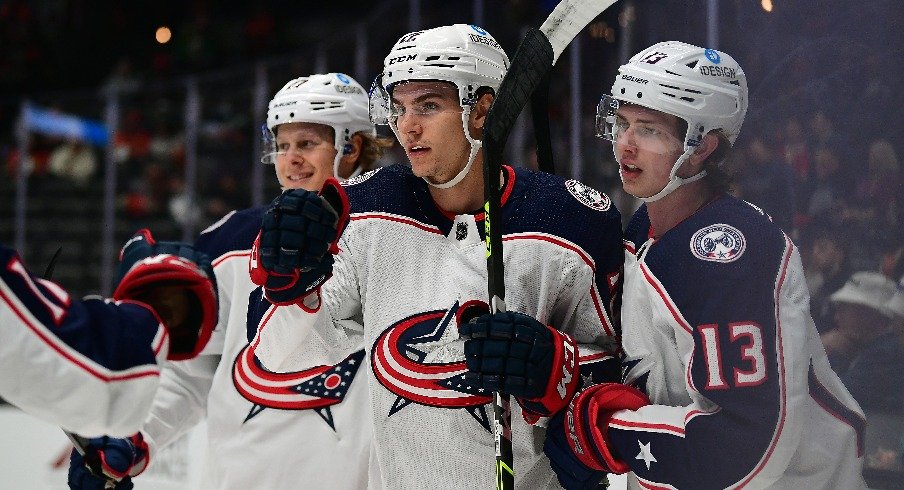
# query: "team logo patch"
(713, 55)
(420, 359)
(343, 78)
(317, 388)
(718, 243)
(588, 196)
(361, 178)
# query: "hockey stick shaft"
(539, 105)
(531, 64)
(516, 89)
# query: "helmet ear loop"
(343, 147)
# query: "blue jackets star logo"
(400, 363)
(317, 388)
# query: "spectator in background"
(765, 181)
(826, 270)
(892, 263)
(866, 347)
(167, 143)
(74, 161)
(796, 154)
(830, 189)
(880, 188)
(132, 140)
(874, 212)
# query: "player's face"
(646, 148)
(429, 128)
(305, 154)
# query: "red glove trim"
(591, 411)
(335, 194)
(563, 380)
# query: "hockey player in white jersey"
(409, 272)
(92, 366)
(304, 429)
(727, 383)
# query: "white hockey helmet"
(332, 99)
(464, 55)
(704, 87)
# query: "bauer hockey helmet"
(704, 87)
(332, 99)
(464, 55)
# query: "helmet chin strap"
(339, 143)
(674, 181)
(475, 147)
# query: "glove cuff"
(587, 423)
(139, 458)
(164, 269)
(563, 380)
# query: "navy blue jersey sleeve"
(89, 366)
(235, 231)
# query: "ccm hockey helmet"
(333, 99)
(704, 87)
(464, 55)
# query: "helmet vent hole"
(688, 99)
(639, 95)
(623, 91)
(692, 64)
(291, 114)
(441, 65)
(453, 58)
(735, 82)
(431, 58)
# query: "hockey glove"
(293, 254)
(177, 282)
(107, 459)
(576, 443)
(513, 353)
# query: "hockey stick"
(533, 60)
(539, 108)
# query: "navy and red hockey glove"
(515, 354)
(293, 253)
(108, 459)
(177, 282)
(576, 442)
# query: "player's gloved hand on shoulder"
(293, 253)
(576, 439)
(108, 459)
(513, 353)
(177, 282)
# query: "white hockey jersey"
(717, 331)
(88, 366)
(404, 269)
(305, 429)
